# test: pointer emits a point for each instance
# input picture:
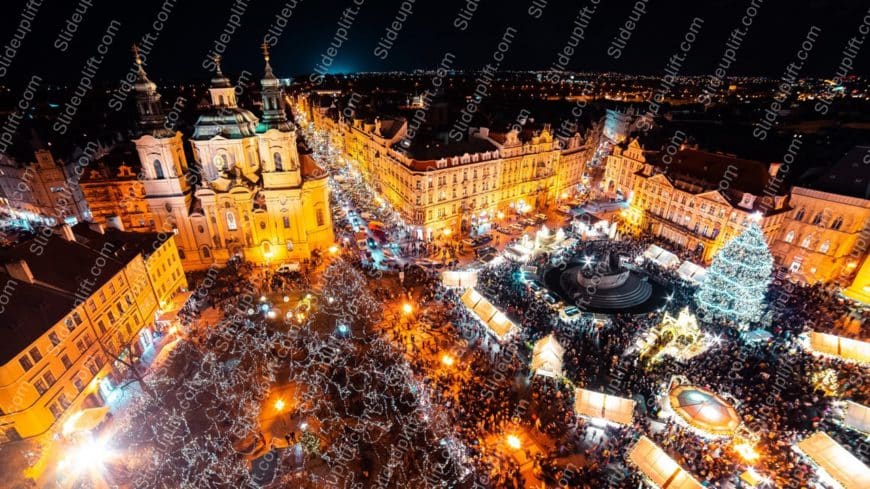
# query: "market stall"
(839, 346)
(835, 461)
(691, 272)
(599, 405)
(547, 357)
(659, 468)
(661, 257)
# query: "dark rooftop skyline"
(190, 30)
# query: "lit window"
(825, 247)
(231, 221)
(789, 236)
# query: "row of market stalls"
(488, 314)
(839, 346)
(687, 270)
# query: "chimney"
(66, 233)
(115, 222)
(19, 270)
(96, 227)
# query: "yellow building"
(696, 200)
(460, 186)
(826, 235)
(72, 304)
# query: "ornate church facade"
(255, 191)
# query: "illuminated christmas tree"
(737, 280)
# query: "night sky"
(194, 25)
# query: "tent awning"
(488, 314)
(661, 256)
(836, 461)
(599, 405)
(692, 272)
(662, 470)
(857, 417)
(840, 346)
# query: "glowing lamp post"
(447, 360)
(513, 442)
(407, 308)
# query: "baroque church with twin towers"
(256, 192)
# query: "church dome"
(229, 122)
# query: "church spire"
(268, 75)
(148, 105)
(274, 112)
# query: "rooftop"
(62, 271)
(849, 176)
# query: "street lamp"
(447, 360)
(513, 441)
(279, 405)
(407, 308)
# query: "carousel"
(704, 410)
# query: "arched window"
(837, 223)
(206, 253)
(181, 253)
(817, 219)
(806, 242)
(800, 214)
(158, 169)
(789, 236)
(278, 165)
(825, 247)
(319, 216)
(231, 221)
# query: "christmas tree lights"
(737, 280)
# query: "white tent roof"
(692, 272)
(836, 461)
(661, 469)
(487, 313)
(661, 256)
(857, 416)
(599, 405)
(839, 346)
(459, 278)
(547, 357)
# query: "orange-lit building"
(826, 235)
(698, 200)
(74, 303)
(463, 186)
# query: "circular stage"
(599, 283)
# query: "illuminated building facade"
(255, 192)
(117, 196)
(463, 187)
(78, 301)
(696, 200)
(38, 192)
(827, 233)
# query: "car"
(485, 251)
(536, 286)
(539, 218)
(564, 209)
(371, 242)
(527, 222)
(291, 267)
(516, 229)
(482, 240)
(504, 230)
(570, 313)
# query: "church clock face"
(218, 163)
